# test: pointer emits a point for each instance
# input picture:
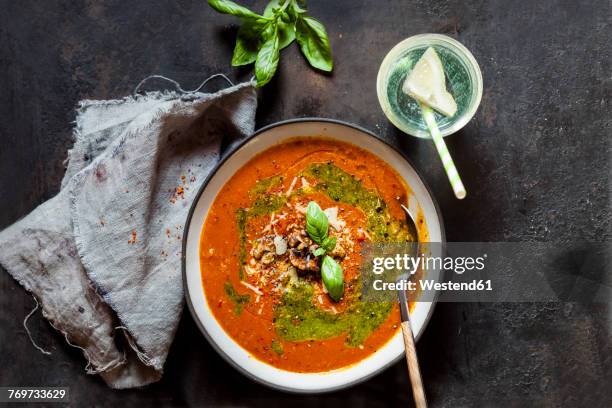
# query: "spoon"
(411, 356)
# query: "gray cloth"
(103, 256)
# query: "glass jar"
(463, 81)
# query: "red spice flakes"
(184, 179)
(192, 178)
(178, 193)
(168, 232)
(132, 239)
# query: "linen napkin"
(103, 256)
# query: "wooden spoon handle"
(413, 367)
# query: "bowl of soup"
(253, 275)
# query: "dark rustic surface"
(535, 161)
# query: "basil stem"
(229, 7)
(329, 243)
(286, 25)
(319, 251)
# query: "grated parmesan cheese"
(332, 216)
(301, 209)
(280, 245)
(253, 288)
(249, 270)
(291, 186)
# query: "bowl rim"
(225, 156)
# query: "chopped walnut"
(293, 239)
(305, 244)
(303, 260)
(263, 245)
(299, 239)
(338, 251)
(267, 258)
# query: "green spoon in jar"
(427, 84)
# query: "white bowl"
(194, 290)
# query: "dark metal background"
(535, 161)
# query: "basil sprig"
(317, 226)
(261, 37)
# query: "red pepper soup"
(280, 253)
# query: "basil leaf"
(329, 243)
(314, 43)
(333, 278)
(271, 8)
(317, 224)
(286, 25)
(319, 251)
(247, 44)
(231, 8)
(294, 11)
(295, 7)
(286, 34)
(267, 58)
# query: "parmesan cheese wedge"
(427, 84)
